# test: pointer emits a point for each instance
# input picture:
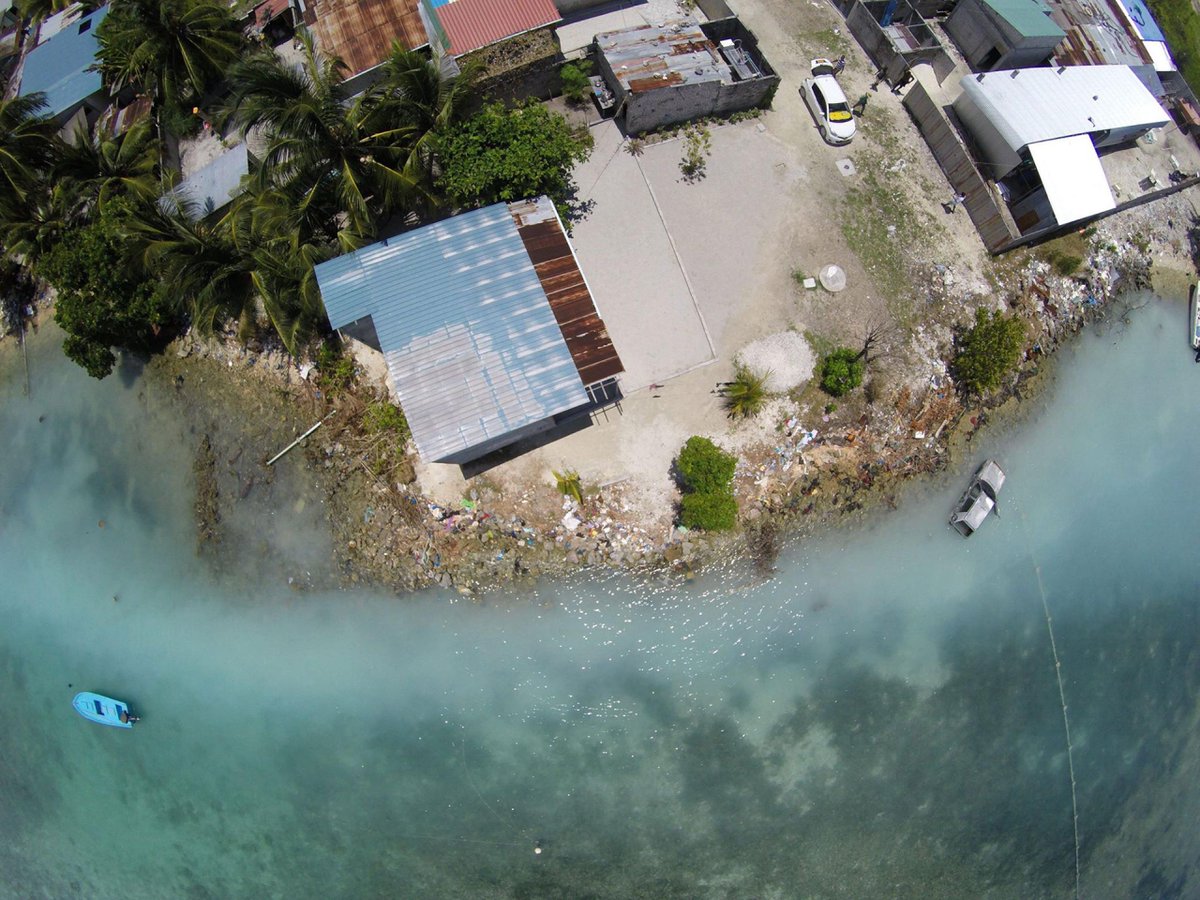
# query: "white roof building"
(1058, 119)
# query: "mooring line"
(1062, 695)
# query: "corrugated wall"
(960, 170)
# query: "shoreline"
(385, 534)
(388, 537)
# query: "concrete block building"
(683, 70)
(1004, 34)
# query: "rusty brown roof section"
(361, 31)
(1097, 34)
(582, 328)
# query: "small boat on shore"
(1194, 317)
(979, 499)
(103, 710)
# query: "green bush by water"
(705, 467)
(988, 351)
(709, 512)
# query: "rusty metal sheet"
(361, 31)
(587, 338)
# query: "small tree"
(988, 351)
(696, 146)
(746, 394)
(569, 485)
(709, 512)
(575, 84)
(511, 154)
(841, 372)
(704, 466)
(103, 299)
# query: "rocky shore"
(245, 404)
(386, 533)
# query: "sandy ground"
(687, 274)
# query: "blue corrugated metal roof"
(472, 346)
(1145, 23)
(61, 67)
(217, 183)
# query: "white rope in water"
(1062, 697)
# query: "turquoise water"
(881, 719)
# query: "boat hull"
(103, 710)
(1194, 315)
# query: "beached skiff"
(1194, 315)
(103, 710)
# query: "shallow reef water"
(882, 718)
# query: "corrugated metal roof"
(1042, 104)
(61, 66)
(117, 121)
(361, 31)
(557, 269)
(471, 24)
(1075, 183)
(472, 347)
(1030, 18)
(655, 56)
(217, 183)
(1098, 34)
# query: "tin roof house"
(682, 70)
(1038, 134)
(61, 65)
(486, 324)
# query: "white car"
(824, 98)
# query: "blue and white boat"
(103, 710)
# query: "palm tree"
(31, 226)
(316, 133)
(26, 145)
(230, 267)
(36, 10)
(173, 50)
(103, 166)
(426, 102)
(203, 261)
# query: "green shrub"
(709, 511)
(335, 367)
(569, 485)
(705, 467)
(746, 394)
(1066, 266)
(988, 351)
(841, 372)
(382, 416)
(575, 84)
(696, 147)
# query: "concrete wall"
(647, 110)
(878, 46)
(568, 7)
(983, 206)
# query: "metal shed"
(1007, 111)
(475, 352)
(212, 187)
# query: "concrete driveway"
(670, 263)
